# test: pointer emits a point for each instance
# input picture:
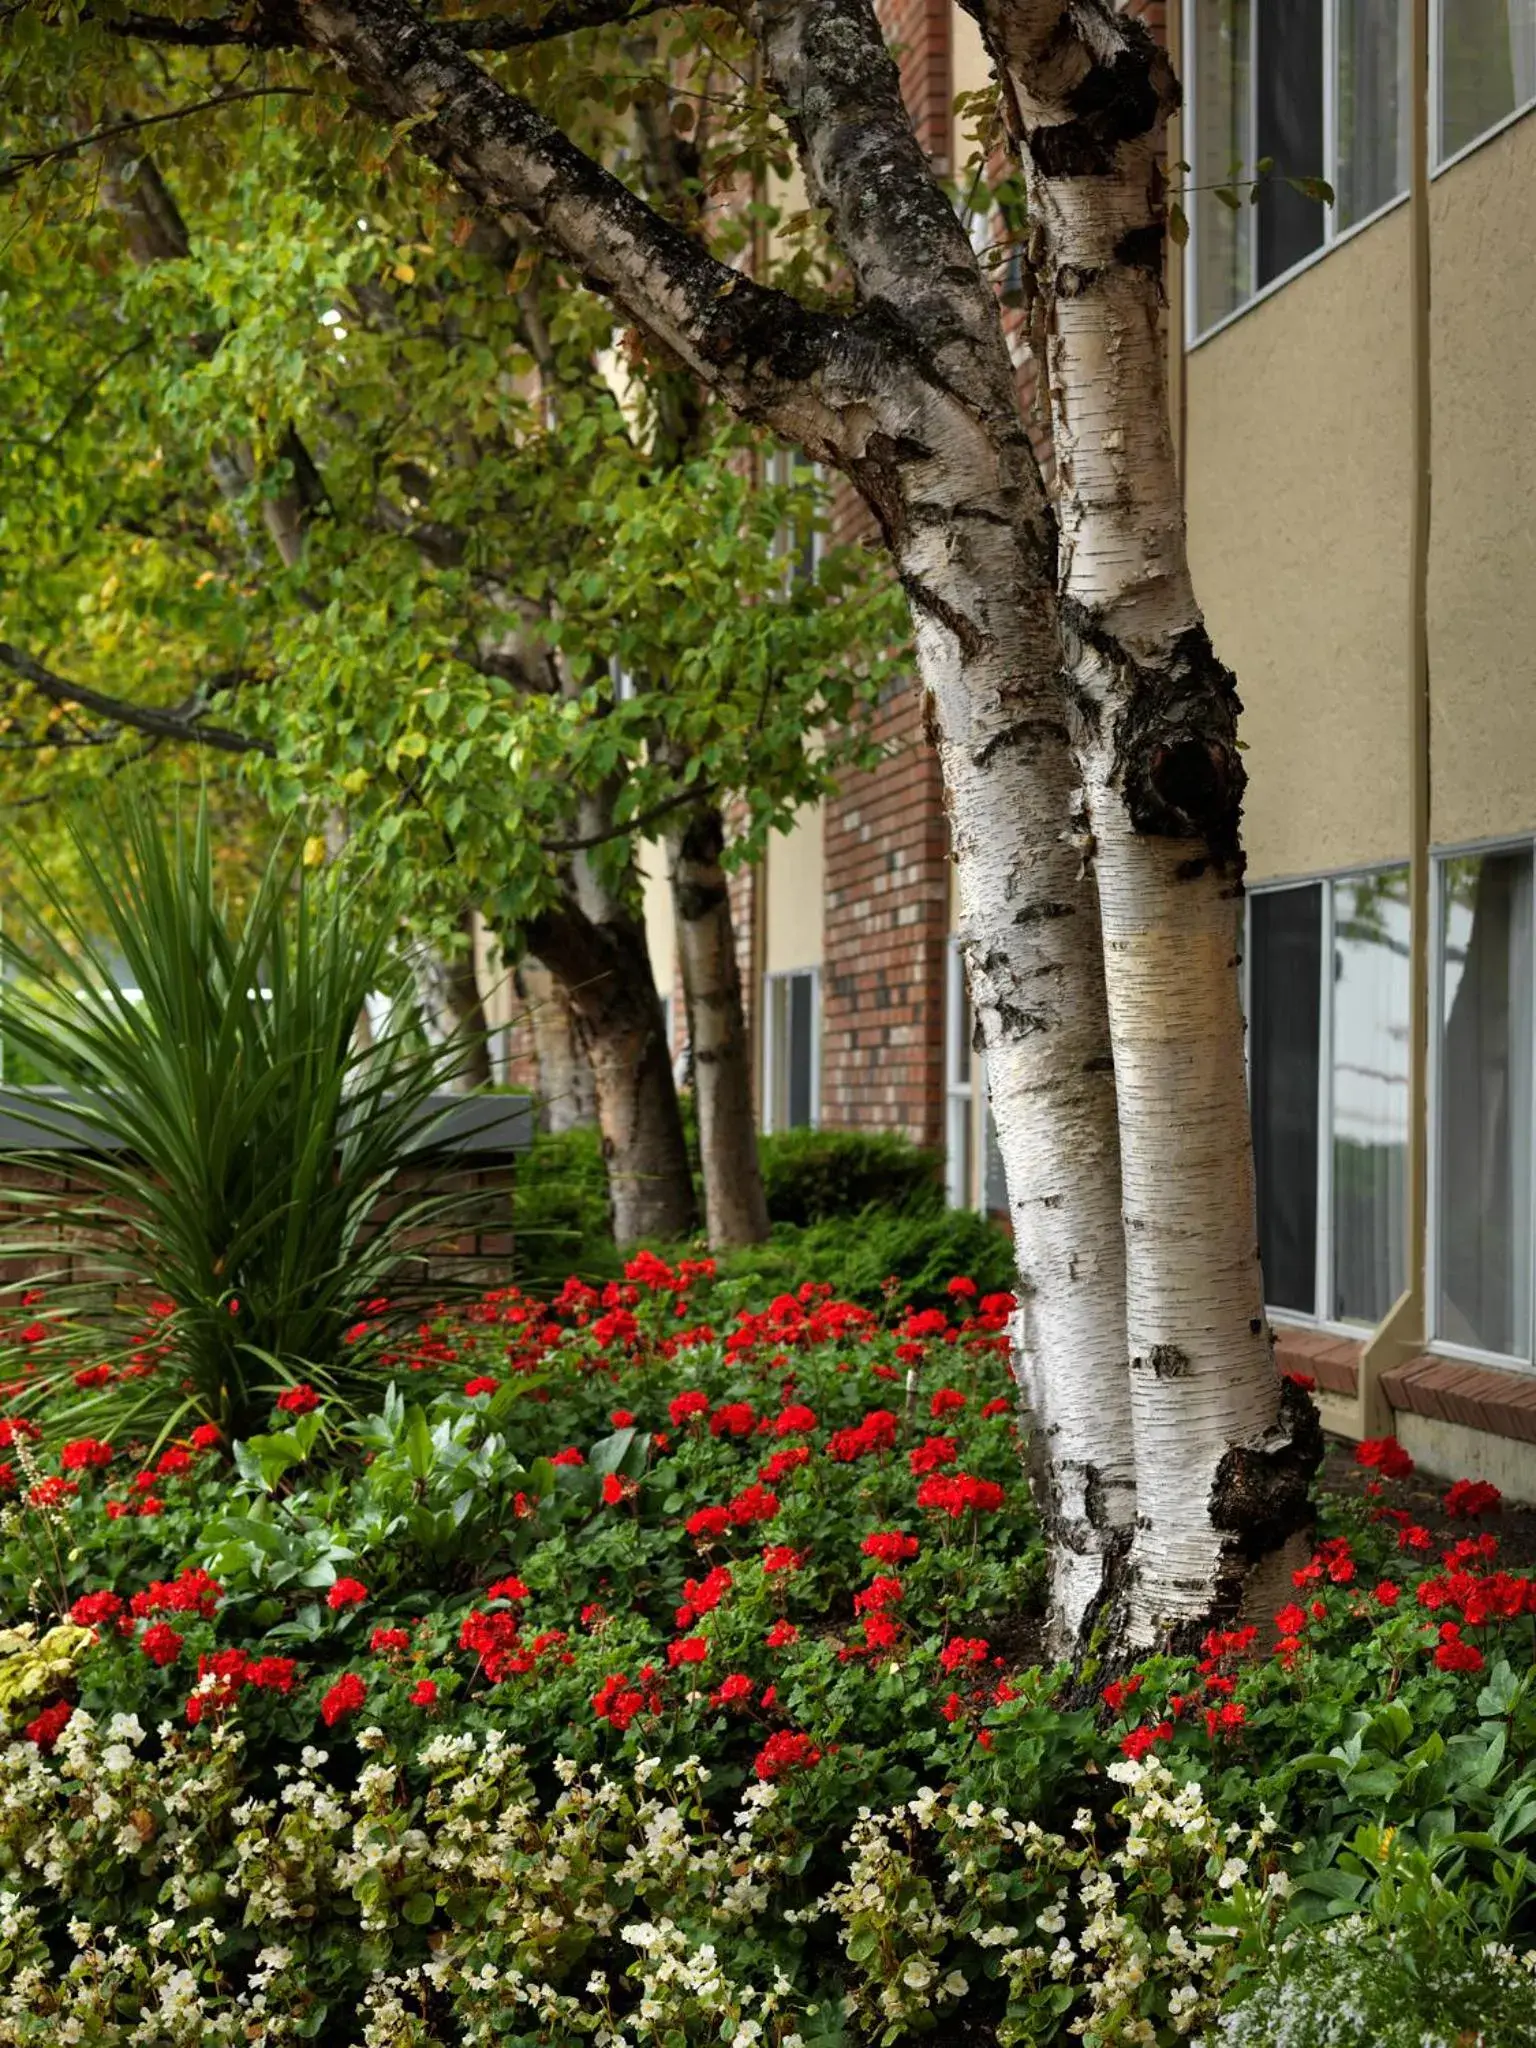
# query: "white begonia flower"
(954, 1985)
(918, 1973)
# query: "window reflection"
(1485, 1103)
(1370, 1094)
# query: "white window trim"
(959, 1096)
(1297, 1318)
(1333, 237)
(771, 1049)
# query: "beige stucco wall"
(1296, 450)
(1482, 653)
(1296, 438)
(796, 892)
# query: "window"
(1369, 1061)
(1320, 88)
(1482, 1255)
(1486, 68)
(1285, 973)
(791, 1050)
(960, 1063)
(1328, 1085)
(805, 541)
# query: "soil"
(1515, 1527)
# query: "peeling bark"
(735, 1207)
(1222, 1460)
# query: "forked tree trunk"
(912, 394)
(567, 1098)
(735, 1207)
(605, 970)
(1224, 1454)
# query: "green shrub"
(812, 1176)
(246, 1134)
(856, 1255)
(561, 1216)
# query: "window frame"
(1447, 1347)
(1334, 236)
(770, 1047)
(1502, 843)
(959, 1096)
(1322, 1272)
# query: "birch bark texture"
(735, 1206)
(1224, 1451)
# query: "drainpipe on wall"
(1404, 1331)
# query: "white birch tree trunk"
(1223, 1453)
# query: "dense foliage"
(647, 1668)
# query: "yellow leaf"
(355, 781)
(314, 850)
(406, 272)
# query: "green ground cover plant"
(647, 1666)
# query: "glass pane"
(1370, 1094)
(1372, 106)
(957, 1151)
(1485, 1104)
(801, 1047)
(961, 1023)
(1223, 145)
(1288, 104)
(1487, 66)
(1286, 988)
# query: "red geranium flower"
(346, 1593)
(947, 1401)
(890, 1546)
(386, 1642)
(781, 1635)
(93, 1608)
(299, 1400)
(344, 1697)
(424, 1694)
(688, 1650)
(86, 1454)
(684, 1406)
(161, 1644)
(483, 1383)
(783, 1752)
(272, 1674)
(50, 1724)
(569, 1456)
(1386, 1455)
(1469, 1498)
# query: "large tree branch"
(184, 723)
(799, 371)
(276, 25)
(828, 63)
(626, 828)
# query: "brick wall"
(919, 34)
(887, 919)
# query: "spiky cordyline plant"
(242, 1131)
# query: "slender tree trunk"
(1224, 1453)
(448, 997)
(567, 1098)
(735, 1208)
(605, 970)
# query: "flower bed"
(646, 1669)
